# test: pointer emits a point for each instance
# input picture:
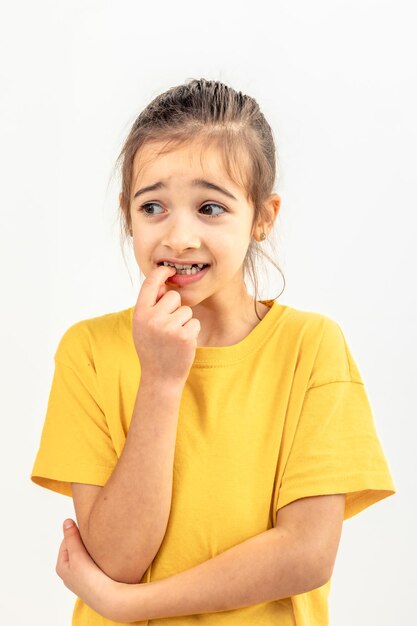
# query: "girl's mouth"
(195, 267)
(181, 277)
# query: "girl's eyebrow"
(197, 182)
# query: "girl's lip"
(186, 279)
(161, 261)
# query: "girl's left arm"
(275, 564)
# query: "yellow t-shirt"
(281, 415)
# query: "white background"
(337, 82)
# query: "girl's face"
(184, 207)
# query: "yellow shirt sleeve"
(336, 448)
(75, 445)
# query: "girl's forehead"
(184, 160)
(156, 155)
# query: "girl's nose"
(180, 237)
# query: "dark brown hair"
(215, 114)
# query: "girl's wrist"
(114, 602)
(130, 602)
(169, 387)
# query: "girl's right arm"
(128, 519)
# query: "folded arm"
(296, 556)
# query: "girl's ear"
(273, 206)
(127, 217)
(267, 217)
(269, 214)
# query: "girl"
(213, 443)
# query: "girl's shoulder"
(321, 341)
(89, 336)
(308, 322)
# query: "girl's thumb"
(72, 538)
(68, 524)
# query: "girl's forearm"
(272, 565)
(129, 518)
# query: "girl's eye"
(211, 204)
(144, 208)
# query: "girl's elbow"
(320, 576)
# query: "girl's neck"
(235, 330)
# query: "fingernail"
(68, 523)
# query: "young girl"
(213, 443)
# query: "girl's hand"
(164, 332)
(84, 578)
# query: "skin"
(83, 577)
(175, 226)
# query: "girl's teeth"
(194, 270)
(189, 271)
